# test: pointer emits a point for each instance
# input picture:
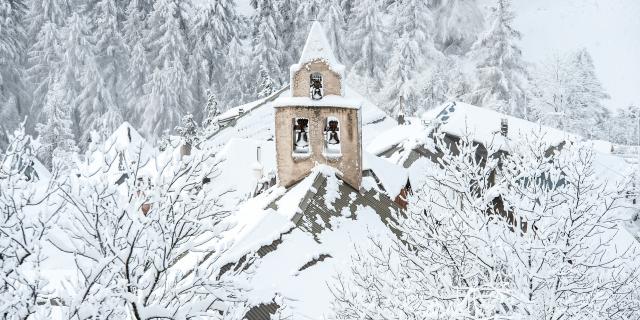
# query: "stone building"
(316, 124)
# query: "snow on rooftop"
(393, 177)
(414, 132)
(317, 48)
(483, 126)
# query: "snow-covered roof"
(326, 101)
(483, 125)
(392, 176)
(298, 238)
(317, 48)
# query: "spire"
(317, 47)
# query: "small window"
(301, 136)
(315, 88)
(332, 137)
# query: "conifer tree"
(167, 92)
(589, 111)
(56, 133)
(214, 28)
(366, 38)
(13, 95)
(500, 70)
(333, 20)
(266, 50)
(457, 25)
(211, 111)
(265, 83)
(100, 100)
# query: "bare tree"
(139, 246)
(23, 226)
(530, 235)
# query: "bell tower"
(316, 123)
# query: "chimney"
(401, 111)
(257, 166)
(504, 127)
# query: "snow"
(326, 101)
(483, 126)
(317, 48)
(414, 131)
(392, 176)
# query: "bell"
(302, 140)
(333, 138)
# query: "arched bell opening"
(301, 136)
(332, 137)
(316, 90)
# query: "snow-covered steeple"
(316, 51)
(317, 124)
(317, 48)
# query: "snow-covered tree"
(457, 25)
(56, 137)
(445, 82)
(167, 91)
(624, 126)
(501, 72)
(100, 102)
(366, 38)
(42, 12)
(211, 111)
(532, 235)
(214, 28)
(23, 230)
(147, 250)
(567, 94)
(411, 49)
(335, 24)
(188, 129)
(588, 103)
(13, 42)
(266, 49)
(266, 85)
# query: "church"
(316, 124)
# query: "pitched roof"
(317, 47)
(298, 238)
(483, 125)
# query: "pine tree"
(457, 24)
(101, 78)
(42, 12)
(214, 28)
(501, 72)
(56, 132)
(410, 50)
(589, 112)
(167, 92)
(333, 20)
(134, 30)
(77, 69)
(211, 111)
(365, 36)
(265, 83)
(13, 95)
(188, 129)
(266, 51)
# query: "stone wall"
(301, 80)
(292, 170)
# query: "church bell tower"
(316, 123)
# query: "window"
(332, 137)
(301, 136)
(315, 86)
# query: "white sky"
(609, 29)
